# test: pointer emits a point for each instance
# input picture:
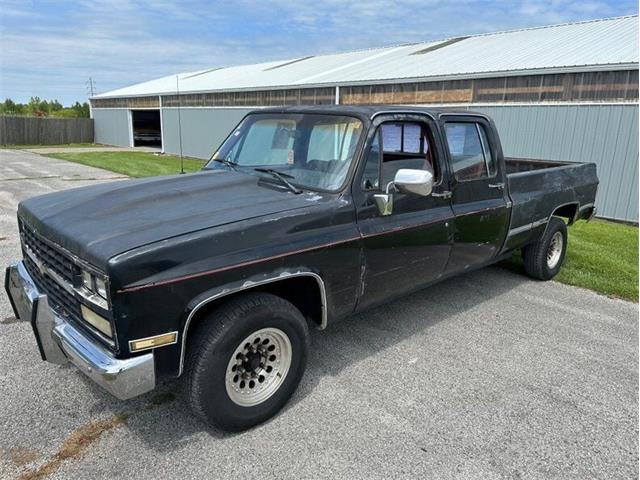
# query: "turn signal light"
(153, 342)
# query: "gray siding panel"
(111, 126)
(604, 134)
(203, 129)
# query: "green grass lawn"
(601, 256)
(134, 164)
(65, 145)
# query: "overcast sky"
(50, 49)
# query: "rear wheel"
(543, 259)
(245, 361)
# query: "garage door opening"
(146, 128)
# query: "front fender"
(245, 284)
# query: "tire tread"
(535, 255)
(209, 331)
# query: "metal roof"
(592, 45)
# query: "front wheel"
(543, 259)
(246, 360)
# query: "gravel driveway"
(489, 375)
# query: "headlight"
(87, 280)
(94, 289)
(101, 288)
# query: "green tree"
(55, 105)
(8, 107)
(82, 110)
(42, 108)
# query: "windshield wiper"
(280, 176)
(226, 162)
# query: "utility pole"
(179, 123)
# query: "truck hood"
(98, 222)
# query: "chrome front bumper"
(60, 342)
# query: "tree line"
(36, 107)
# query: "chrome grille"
(50, 257)
(60, 298)
(54, 273)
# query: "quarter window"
(371, 175)
(471, 157)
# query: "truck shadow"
(163, 422)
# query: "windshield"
(313, 151)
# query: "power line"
(91, 87)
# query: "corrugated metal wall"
(604, 134)
(111, 126)
(203, 129)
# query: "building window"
(258, 98)
(128, 102)
(614, 86)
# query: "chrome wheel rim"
(555, 250)
(258, 367)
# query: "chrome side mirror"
(407, 180)
(417, 182)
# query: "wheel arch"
(286, 285)
(567, 210)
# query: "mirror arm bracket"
(384, 201)
(388, 187)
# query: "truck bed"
(541, 188)
(515, 165)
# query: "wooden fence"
(45, 131)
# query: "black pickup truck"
(302, 217)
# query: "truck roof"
(367, 110)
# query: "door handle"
(445, 194)
(496, 185)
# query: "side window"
(471, 157)
(398, 145)
(406, 145)
(488, 156)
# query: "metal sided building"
(562, 92)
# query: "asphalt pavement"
(489, 375)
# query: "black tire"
(215, 341)
(535, 255)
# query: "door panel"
(479, 201)
(403, 251)
(409, 248)
(479, 230)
